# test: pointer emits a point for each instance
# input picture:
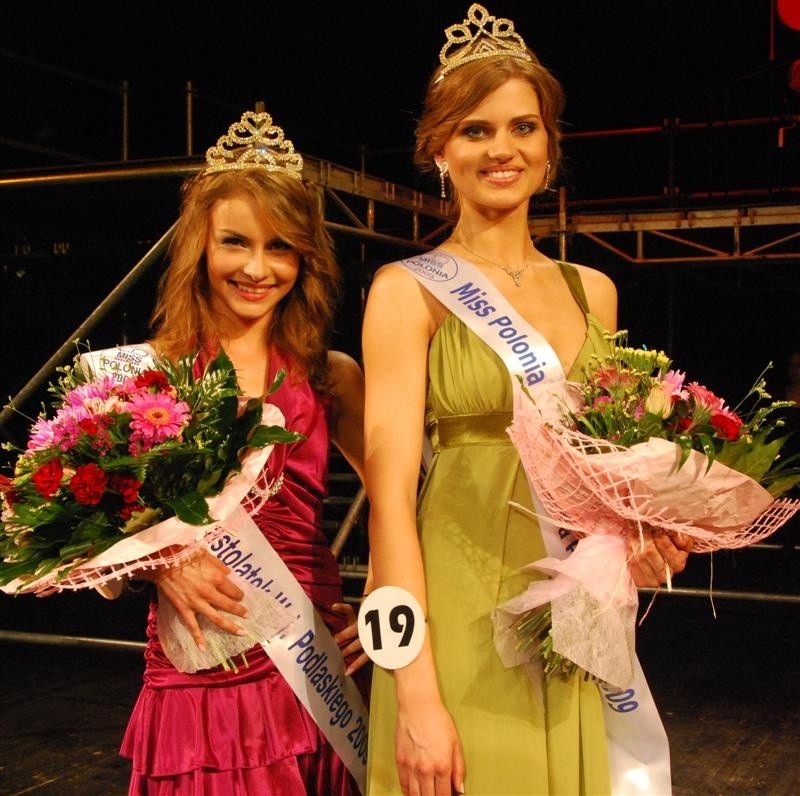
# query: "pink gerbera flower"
(704, 397)
(156, 417)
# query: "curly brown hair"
(449, 100)
(183, 319)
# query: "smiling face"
(497, 154)
(250, 267)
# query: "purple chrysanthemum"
(85, 393)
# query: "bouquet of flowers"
(636, 449)
(136, 468)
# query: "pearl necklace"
(514, 273)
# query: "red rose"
(88, 484)
(48, 477)
(151, 378)
(728, 424)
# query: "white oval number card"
(391, 627)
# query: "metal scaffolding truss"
(742, 234)
(372, 208)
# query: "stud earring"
(443, 171)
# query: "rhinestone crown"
(480, 35)
(254, 142)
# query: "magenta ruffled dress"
(224, 733)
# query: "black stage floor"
(728, 688)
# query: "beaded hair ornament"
(254, 142)
(480, 35)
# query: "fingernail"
(461, 788)
(240, 631)
(201, 646)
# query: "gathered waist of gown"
(483, 428)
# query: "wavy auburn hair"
(183, 319)
(456, 95)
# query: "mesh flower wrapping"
(626, 489)
(631, 450)
(130, 472)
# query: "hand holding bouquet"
(137, 468)
(636, 449)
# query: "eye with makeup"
(474, 132)
(233, 240)
(526, 127)
(279, 245)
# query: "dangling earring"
(443, 170)
(546, 177)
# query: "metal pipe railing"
(349, 522)
(61, 640)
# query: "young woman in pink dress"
(252, 272)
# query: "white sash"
(637, 743)
(306, 653)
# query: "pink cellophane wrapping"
(173, 542)
(615, 494)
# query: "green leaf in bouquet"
(18, 568)
(206, 486)
(752, 456)
(707, 446)
(245, 424)
(280, 375)
(651, 425)
(35, 516)
(228, 410)
(251, 415)
(191, 508)
(91, 528)
(222, 363)
(118, 430)
(46, 566)
(140, 520)
(267, 435)
(588, 424)
(778, 485)
(92, 544)
(686, 445)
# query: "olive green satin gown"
(474, 545)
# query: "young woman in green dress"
(455, 719)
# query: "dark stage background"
(346, 80)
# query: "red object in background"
(794, 77)
(789, 13)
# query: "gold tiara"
(465, 44)
(254, 142)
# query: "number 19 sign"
(391, 627)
